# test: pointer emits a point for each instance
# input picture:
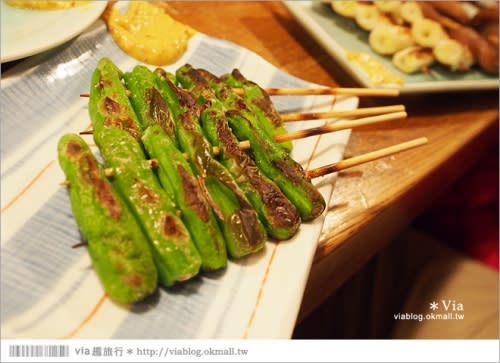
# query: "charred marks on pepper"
(159, 111)
(187, 122)
(146, 194)
(185, 98)
(291, 170)
(294, 171)
(246, 221)
(132, 279)
(228, 142)
(237, 75)
(116, 116)
(264, 103)
(73, 149)
(193, 195)
(90, 173)
(284, 214)
(103, 82)
(171, 227)
(198, 77)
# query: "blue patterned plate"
(49, 290)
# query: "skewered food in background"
(485, 53)
(413, 59)
(447, 28)
(410, 12)
(368, 17)
(389, 39)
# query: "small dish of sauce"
(146, 32)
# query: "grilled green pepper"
(110, 109)
(259, 102)
(272, 160)
(174, 171)
(174, 253)
(109, 105)
(278, 215)
(197, 214)
(243, 231)
(116, 244)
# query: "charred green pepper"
(243, 231)
(174, 171)
(116, 244)
(272, 160)
(259, 102)
(174, 253)
(278, 215)
(113, 119)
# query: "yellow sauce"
(44, 5)
(376, 72)
(147, 33)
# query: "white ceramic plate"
(337, 34)
(50, 290)
(26, 32)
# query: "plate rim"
(92, 10)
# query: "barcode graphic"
(39, 350)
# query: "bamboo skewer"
(320, 91)
(367, 111)
(327, 91)
(331, 168)
(305, 116)
(341, 125)
(314, 131)
(364, 158)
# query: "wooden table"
(375, 201)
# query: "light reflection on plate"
(26, 32)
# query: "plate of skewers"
(414, 46)
(157, 205)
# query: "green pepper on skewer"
(272, 160)
(116, 244)
(259, 102)
(174, 172)
(109, 105)
(114, 119)
(243, 231)
(173, 250)
(279, 216)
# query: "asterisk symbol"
(433, 305)
(130, 351)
